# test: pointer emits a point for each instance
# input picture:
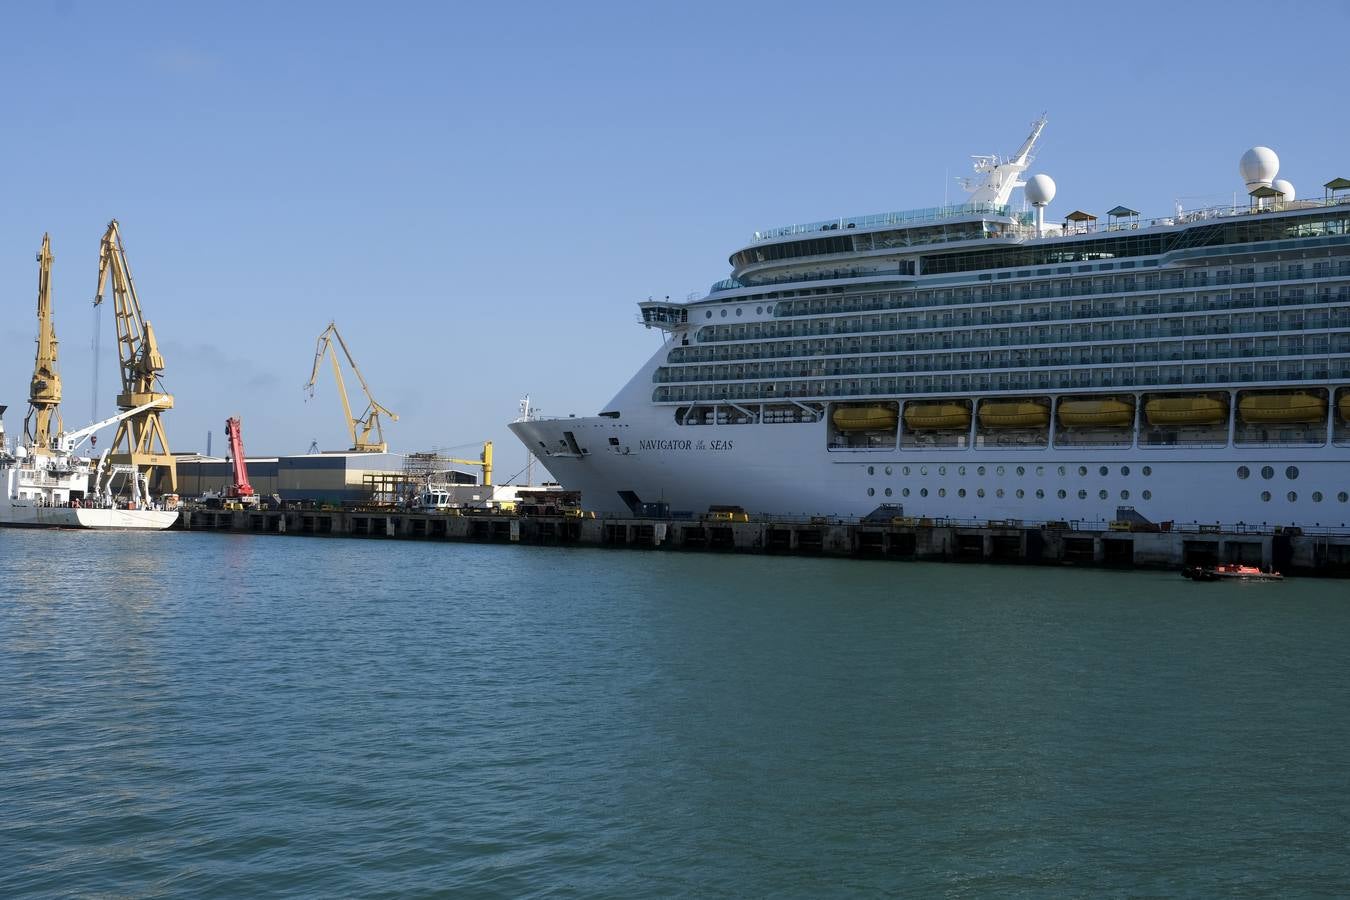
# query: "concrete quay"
(1287, 550)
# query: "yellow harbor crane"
(483, 462)
(359, 428)
(44, 393)
(140, 440)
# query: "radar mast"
(996, 177)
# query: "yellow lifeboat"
(936, 416)
(1344, 407)
(1186, 411)
(1014, 414)
(1096, 413)
(1282, 409)
(865, 418)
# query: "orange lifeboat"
(1014, 414)
(936, 416)
(865, 418)
(1282, 409)
(1186, 411)
(1098, 413)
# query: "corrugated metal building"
(324, 477)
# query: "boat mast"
(997, 177)
(44, 392)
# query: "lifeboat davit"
(1290, 409)
(1186, 411)
(936, 416)
(1099, 413)
(865, 418)
(1014, 414)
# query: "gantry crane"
(44, 392)
(369, 420)
(140, 441)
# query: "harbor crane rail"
(140, 441)
(359, 427)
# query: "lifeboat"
(1344, 407)
(1014, 414)
(1186, 411)
(865, 418)
(1283, 409)
(936, 416)
(1098, 413)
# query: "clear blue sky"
(478, 193)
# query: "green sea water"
(250, 716)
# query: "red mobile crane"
(240, 492)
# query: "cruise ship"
(975, 362)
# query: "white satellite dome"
(1040, 189)
(1258, 166)
(1284, 187)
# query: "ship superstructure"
(972, 362)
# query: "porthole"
(980, 470)
(724, 313)
(905, 470)
(961, 470)
(1082, 494)
(1243, 472)
(1124, 495)
(1291, 473)
(1267, 472)
(1147, 470)
(999, 493)
(888, 470)
(888, 492)
(769, 309)
(871, 470)
(961, 492)
(1040, 470)
(942, 492)
(1021, 470)
(740, 311)
(923, 470)
(1040, 493)
(1020, 493)
(999, 471)
(759, 310)
(1062, 471)
(871, 492)
(1147, 495)
(1103, 471)
(1265, 495)
(905, 492)
(1063, 493)
(1102, 494)
(980, 492)
(708, 314)
(1292, 496)
(923, 492)
(1125, 470)
(1317, 496)
(1082, 471)
(1343, 496)
(942, 470)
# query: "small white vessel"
(56, 488)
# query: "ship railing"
(877, 220)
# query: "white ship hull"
(786, 470)
(20, 515)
